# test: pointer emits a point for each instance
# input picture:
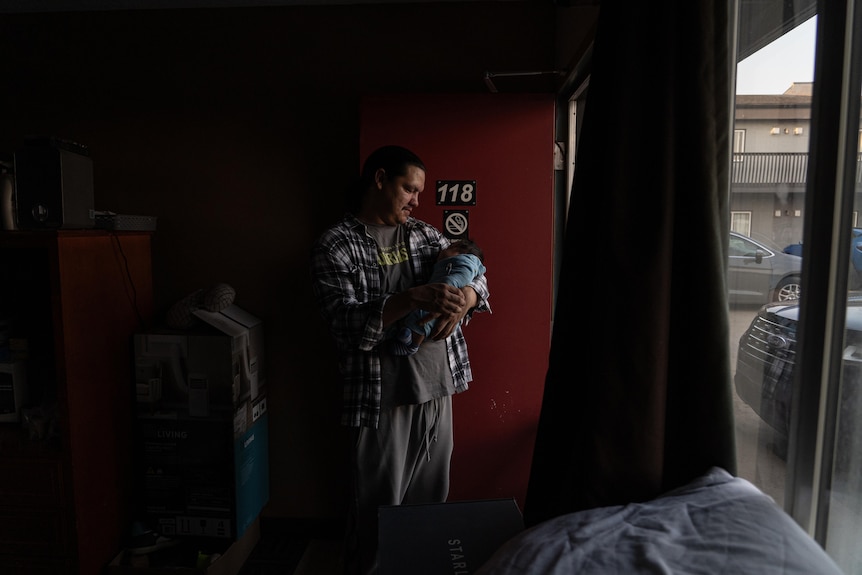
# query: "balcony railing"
(770, 168)
(776, 168)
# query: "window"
(738, 145)
(760, 199)
(799, 436)
(740, 222)
(839, 487)
(739, 247)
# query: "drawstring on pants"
(431, 430)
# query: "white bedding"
(716, 524)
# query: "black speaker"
(53, 185)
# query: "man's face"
(397, 196)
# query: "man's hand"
(437, 299)
(446, 323)
(447, 304)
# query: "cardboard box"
(251, 471)
(13, 390)
(200, 477)
(454, 538)
(202, 440)
(208, 371)
(174, 561)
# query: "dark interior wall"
(238, 129)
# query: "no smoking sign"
(456, 224)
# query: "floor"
(321, 557)
(290, 548)
(285, 547)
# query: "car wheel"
(788, 289)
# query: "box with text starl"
(456, 537)
(206, 371)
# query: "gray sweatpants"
(405, 460)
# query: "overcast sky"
(773, 68)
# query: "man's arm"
(438, 299)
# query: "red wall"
(505, 143)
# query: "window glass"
(770, 151)
(738, 144)
(845, 494)
(773, 103)
(845, 503)
(742, 247)
(740, 222)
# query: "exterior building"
(770, 165)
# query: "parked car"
(855, 279)
(856, 253)
(758, 274)
(767, 355)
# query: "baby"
(456, 265)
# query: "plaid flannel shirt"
(346, 279)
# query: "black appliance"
(53, 185)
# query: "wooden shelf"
(76, 297)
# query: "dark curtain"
(638, 395)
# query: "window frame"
(834, 145)
(829, 205)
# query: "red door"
(490, 167)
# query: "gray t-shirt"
(425, 375)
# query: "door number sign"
(456, 224)
(456, 192)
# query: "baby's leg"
(404, 342)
